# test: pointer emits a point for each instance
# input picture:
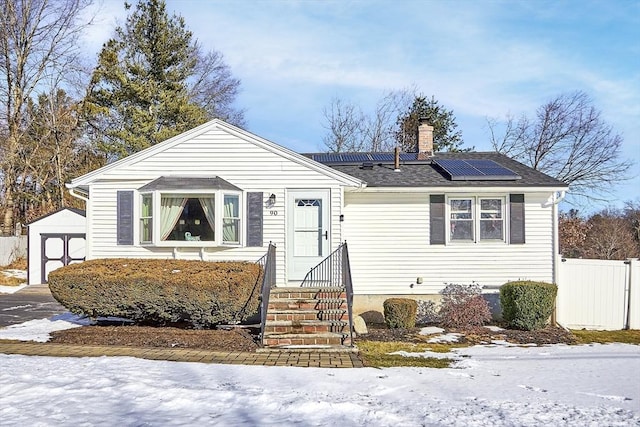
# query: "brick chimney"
(425, 139)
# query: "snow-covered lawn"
(588, 385)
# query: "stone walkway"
(279, 358)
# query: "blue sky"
(479, 58)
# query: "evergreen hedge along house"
(413, 221)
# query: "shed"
(55, 240)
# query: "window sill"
(193, 244)
(481, 242)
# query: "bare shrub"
(463, 305)
(427, 312)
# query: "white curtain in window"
(230, 223)
(170, 211)
(208, 206)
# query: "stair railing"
(328, 273)
(334, 271)
(268, 263)
(348, 286)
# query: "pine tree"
(148, 86)
(445, 135)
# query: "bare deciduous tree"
(53, 153)
(610, 237)
(381, 127)
(569, 140)
(608, 234)
(573, 232)
(345, 123)
(38, 49)
(349, 129)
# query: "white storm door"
(308, 234)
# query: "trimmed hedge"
(527, 305)
(154, 291)
(400, 312)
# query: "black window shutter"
(516, 218)
(125, 218)
(437, 219)
(254, 219)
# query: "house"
(413, 221)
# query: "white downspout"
(556, 199)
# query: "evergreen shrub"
(527, 305)
(154, 291)
(400, 312)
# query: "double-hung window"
(476, 219)
(190, 219)
(146, 218)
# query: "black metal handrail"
(334, 271)
(268, 263)
(328, 273)
(348, 286)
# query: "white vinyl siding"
(388, 237)
(215, 153)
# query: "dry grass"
(604, 337)
(376, 354)
(17, 264)
(9, 281)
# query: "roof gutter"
(77, 195)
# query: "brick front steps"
(307, 318)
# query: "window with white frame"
(476, 219)
(146, 219)
(200, 219)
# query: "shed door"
(308, 230)
(59, 250)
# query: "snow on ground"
(559, 385)
(21, 274)
(38, 330)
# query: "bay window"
(198, 219)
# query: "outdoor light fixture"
(272, 199)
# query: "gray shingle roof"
(188, 183)
(426, 174)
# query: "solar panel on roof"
(475, 170)
(408, 156)
(355, 157)
(327, 157)
(382, 157)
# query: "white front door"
(308, 234)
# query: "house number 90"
(274, 213)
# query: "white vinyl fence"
(598, 294)
(12, 247)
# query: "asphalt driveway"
(29, 303)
